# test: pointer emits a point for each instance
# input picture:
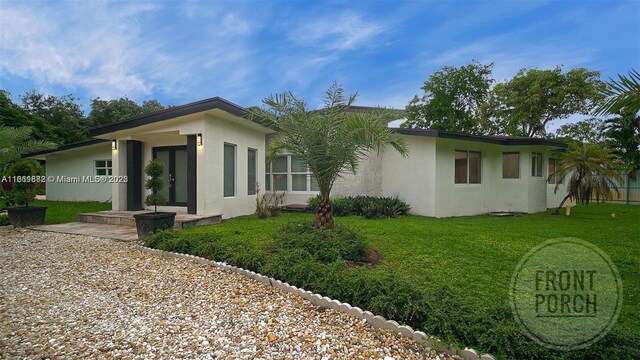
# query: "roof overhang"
(41, 155)
(500, 140)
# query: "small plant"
(24, 190)
(262, 210)
(276, 200)
(154, 171)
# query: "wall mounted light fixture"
(199, 139)
(114, 144)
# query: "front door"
(174, 159)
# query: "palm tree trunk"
(324, 215)
(557, 211)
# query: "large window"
(229, 170)
(536, 164)
(102, 167)
(252, 170)
(468, 167)
(287, 170)
(510, 165)
(554, 178)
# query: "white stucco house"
(214, 158)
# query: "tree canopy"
(108, 111)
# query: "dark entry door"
(174, 159)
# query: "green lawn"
(66, 211)
(476, 256)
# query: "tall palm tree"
(17, 141)
(331, 141)
(623, 135)
(623, 94)
(591, 170)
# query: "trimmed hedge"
(371, 207)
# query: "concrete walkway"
(115, 232)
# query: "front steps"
(125, 218)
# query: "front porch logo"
(566, 294)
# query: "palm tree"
(17, 141)
(331, 141)
(623, 94)
(591, 170)
(623, 135)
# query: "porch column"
(192, 175)
(134, 175)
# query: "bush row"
(371, 207)
(323, 262)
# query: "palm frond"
(622, 95)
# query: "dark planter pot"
(149, 223)
(27, 215)
(275, 212)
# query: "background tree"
(452, 100)
(591, 130)
(109, 111)
(62, 113)
(331, 141)
(623, 136)
(18, 141)
(12, 115)
(592, 171)
(524, 105)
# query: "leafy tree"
(12, 115)
(623, 134)
(62, 113)
(330, 141)
(452, 99)
(591, 169)
(16, 141)
(622, 95)
(589, 130)
(109, 111)
(524, 105)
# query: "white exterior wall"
(412, 178)
(78, 162)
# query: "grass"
(476, 256)
(66, 211)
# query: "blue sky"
(182, 51)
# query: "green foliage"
(108, 111)
(154, 171)
(623, 96)
(524, 105)
(585, 131)
(24, 192)
(61, 113)
(332, 140)
(16, 141)
(371, 207)
(452, 99)
(4, 220)
(67, 211)
(623, 136)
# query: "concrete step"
(125, 218)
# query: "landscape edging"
(375, 321)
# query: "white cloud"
(336, 32)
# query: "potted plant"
(149, 223)
(275, 203)
(23, 173)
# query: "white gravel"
(85, 297)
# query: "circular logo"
(566, 294)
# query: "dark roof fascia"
(500, 140)
(74, 145)
(170, 113)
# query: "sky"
(183, 51)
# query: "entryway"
(174, 159)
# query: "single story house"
(214, 158)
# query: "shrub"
(23, 192)
(4, 220)
(371, 207)
(154, 171)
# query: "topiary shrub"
(154, 171)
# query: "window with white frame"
(536, 164)
(102, 167)
(288, 173)
(554, 176)
(510, 165)
(467, 167)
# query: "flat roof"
(493, 139)
(67, 147)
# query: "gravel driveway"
(79, 296)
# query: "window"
(536, 164)
(267, 176)
(511, 165)
(467, 167)
(288, 169)
(554, 165)
(252, 171)
(229, 170)
(102, 167)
